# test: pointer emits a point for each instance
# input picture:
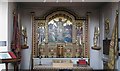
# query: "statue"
(107, 23)
(24, 35)
(60, 28)
(96, 36)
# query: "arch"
(60, 14)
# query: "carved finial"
(14, 12)
(32, 12)
(117, 12)
(88, 13)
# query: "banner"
(113, 50)
(16, 46)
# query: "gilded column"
(33, 40)
(86, 54)
(74, 38)
(46, 38)
(33, 36)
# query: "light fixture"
(44, 0)
(83, 0)
(70, 0)
(56, 0)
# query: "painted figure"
(60, 29)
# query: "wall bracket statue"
(95, 39)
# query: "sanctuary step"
(51, 68)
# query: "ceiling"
(62, 4)
(60, 0)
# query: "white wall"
(11, 7)
(95, 55)
(26, 53)
(3, 28)
(107, 11)
(3, 24)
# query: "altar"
(59, 35)
(48, 61)
(46, 64)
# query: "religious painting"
(79, 34)
(52, 32)
(60, 30)
(80, 28)
(68, 32)
(41, 34)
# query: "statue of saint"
(107, 27)
(24, 34)
(60, 29)
(96, 35)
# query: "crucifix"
(60, 51)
